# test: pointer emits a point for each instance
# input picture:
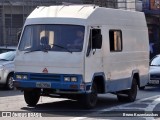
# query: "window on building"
(115, 38)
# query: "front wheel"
(32, 97)
(90, 100)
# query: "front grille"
(50, 77)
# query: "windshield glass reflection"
(66, 38)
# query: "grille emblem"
(45, 70)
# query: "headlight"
(25, 77)
(22, 77)
(73, 79)
(70, 79)
(67, 79)
(18, 77)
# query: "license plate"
(43, 85)
(154, 82)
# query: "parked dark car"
(155, 71)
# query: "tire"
(130, 94)
(122, 98)
(142, 88)
(32, 97)
(90, 100)
(9, 84)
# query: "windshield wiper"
(154, 65)
(33, 51)
(45, 49)
(4, 60)
(61, 47)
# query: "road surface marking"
(150, 107)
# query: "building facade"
(151, 8)
(12, 17)
(14, 12)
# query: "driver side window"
(93, 35)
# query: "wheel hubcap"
(10, 83)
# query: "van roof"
(84, 14)
(69, 11)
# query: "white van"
(79, 51)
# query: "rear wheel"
(129, 95)
(32, 97)
(142, 88)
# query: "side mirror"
(97, 42)
(18, 35)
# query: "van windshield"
(65, 38)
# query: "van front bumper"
(59, 83)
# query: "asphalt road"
(65, 109)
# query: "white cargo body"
(111, 56)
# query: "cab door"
(93, 57)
